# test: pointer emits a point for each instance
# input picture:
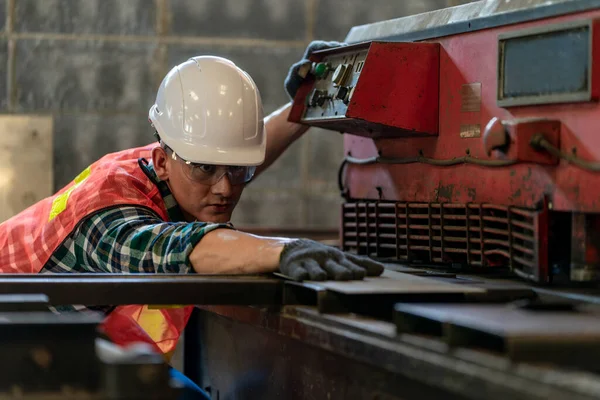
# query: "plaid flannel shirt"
(130, 240)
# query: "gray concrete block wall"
(84, 75)
(105, 17)
(96, 65)
(260, 19)
(81, 138)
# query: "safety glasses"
(209, 174)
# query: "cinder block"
(55, 75)
(110, 17)
(79, 140)
(285, 173)
(282, 208)
(268, 66)
(265, 19)
(2, 15)
(323, 209)
(325, 155)
(334, 18)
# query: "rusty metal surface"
(302, 353)
(545, 333)
(391, 282)
(512, 321)
(376, 297)
(107, 289)
(266, 365)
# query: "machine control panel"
(335, 79)
(374, 89)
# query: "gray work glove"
(305, 259)
(293, 80)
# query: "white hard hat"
(209, 111)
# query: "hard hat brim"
(242, 156)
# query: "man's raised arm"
(280, 132)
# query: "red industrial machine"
(469, 142)
(476, 149)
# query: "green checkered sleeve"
(129, 240)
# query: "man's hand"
(309, 260)
(293, 80)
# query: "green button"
(321, 70)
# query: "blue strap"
(191, 391)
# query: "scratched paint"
(472, 193)
(445, 192)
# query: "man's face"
(206, 202)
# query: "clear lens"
(209, 174)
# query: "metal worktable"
(376, 339)
(345, 348)
(111, 289)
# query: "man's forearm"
(225, 251)
(280, 134)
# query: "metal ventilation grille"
(474, 234)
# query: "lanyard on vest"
(174, 213)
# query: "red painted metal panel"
(596, 55)
(399, 87)
(468, 64)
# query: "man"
(166, 207)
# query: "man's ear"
(161, 163)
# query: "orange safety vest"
(28, 240)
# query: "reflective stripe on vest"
(59, 204)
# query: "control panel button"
(342, 93)
(321, 70)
